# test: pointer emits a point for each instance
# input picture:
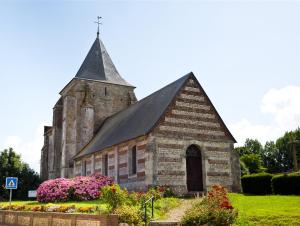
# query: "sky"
(245, 55)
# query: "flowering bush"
(54, 190)
(88, 188)
(86, 209)
(129, 214)
(215, 209)
(78, 188)
(114, 196)
(218, 198)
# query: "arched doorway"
(194, 169)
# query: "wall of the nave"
(118, 164)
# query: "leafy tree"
(251, 146)
(253, 162)
(273, 159)
(276, 156)
(244, 169)
(12, 166)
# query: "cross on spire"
(98, 22)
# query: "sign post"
(11, 183)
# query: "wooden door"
(194, 169)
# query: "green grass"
(162, 206)
(266, 210)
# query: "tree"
(12, 166)
(253, 162)
(251, 146)
(273, 159)
(276, 156)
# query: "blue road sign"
(11, 183)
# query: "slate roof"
(134, 121)
(140, 118)
(99, 66)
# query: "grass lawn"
(267, 210)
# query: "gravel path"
(177, 213)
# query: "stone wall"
(44, 167)
(57, 136)
(191, 119)
(77, 116)
(118, 164)
(55, 219)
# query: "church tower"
(94, 94)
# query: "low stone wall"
(55, 219)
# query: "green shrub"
(253, 162)
(114, 196)
(286, 184)
(156, 193)
(196, 216)
(213, 210)
(128, 214)
(259, 184)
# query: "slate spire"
(99, 66)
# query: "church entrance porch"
(194, 169)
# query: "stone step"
(194, 194)
(169, 223)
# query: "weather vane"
(98, 22)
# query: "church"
(173, 137)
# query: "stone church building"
(173, 137)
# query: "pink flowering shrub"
(54, 190)
(88, 188)
(78, 188)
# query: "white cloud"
(283, 106)
(29, 150)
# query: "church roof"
(98, 66)
(136, 120)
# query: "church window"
(105, 165)
(78, 168)
(84, 168)
(105, 91)
(128, 99)
(98, 163)
(132, 161)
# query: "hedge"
(286, 184)
(259, 184)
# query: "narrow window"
(128, 99)
(133, 160)
(105, 165)
(105, 91)
(84, 168)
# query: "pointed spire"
(99, 66)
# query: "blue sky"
(244, 53)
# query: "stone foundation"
(55, 219)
